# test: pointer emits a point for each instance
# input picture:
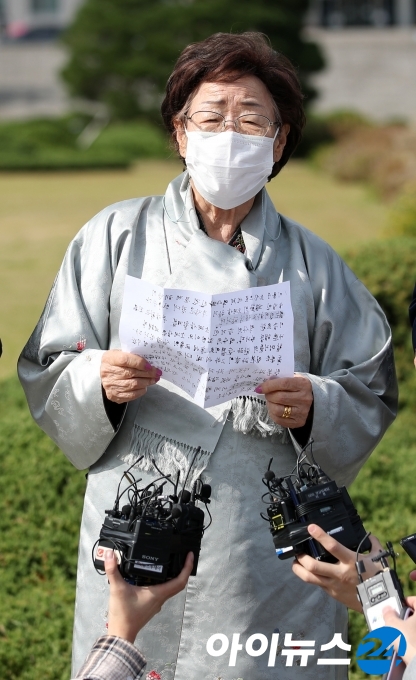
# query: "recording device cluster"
(382, 590)
(153, 532)
(309, 496)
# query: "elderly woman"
(234, 109)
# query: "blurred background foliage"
(56, 144)
(123, 51)
(41, 499)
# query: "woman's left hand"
(290, 396)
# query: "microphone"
(185, 496)
(176, 511)
(205, 491)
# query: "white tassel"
(250, 416)
(170, 456)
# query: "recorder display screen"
(376, 590)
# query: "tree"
(122, 51)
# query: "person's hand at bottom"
(131, 607)
(338, 580)
(408, 627)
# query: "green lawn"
(41, 212)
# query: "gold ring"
(286, 412)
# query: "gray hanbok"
(342, 344)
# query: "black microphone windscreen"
(185, 496)
(205, 491)
(176, 511)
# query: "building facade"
(369, 48)
(31, 18)
(376, 13)
(25, 18)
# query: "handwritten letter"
(214, 347)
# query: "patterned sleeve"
(112, 658)
(59, 367)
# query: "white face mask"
(228, 168)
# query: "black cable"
(157, 491)
(190, 467)
(177, 482)
(127, 489)
(116, 502)
(357, 561)
(210, 518)
(154, 482)
(390, 548)
(310, 442)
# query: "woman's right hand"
(125, 376)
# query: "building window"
(357, 13)
(45, 5)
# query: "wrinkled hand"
(338, 580)
(408, 627)
(131, 607)
(126, 376)
(294, 392)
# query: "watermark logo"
(376, 649)
(293, 651)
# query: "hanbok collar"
(180, 210)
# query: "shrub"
(325, 129)
(121, 52)
(133, 140)
(51, 144)
(402, 218)
(40, 503)
(383, 491)
(343, 123)
(317, 133)
(384, 156)
(387, 269)
(384, 497)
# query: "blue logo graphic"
(376, 649)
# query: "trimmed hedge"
(51, 144)
(388, 270)
(41, 497)
(402, 218)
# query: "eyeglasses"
(249, 124)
